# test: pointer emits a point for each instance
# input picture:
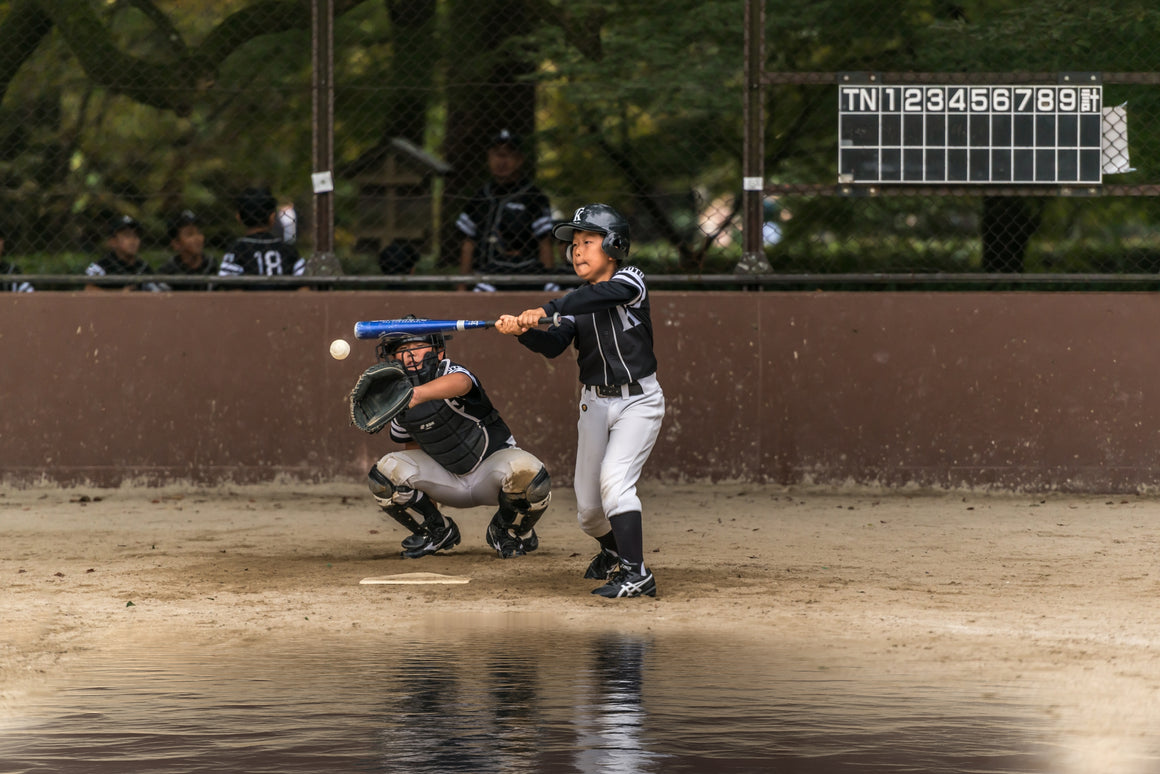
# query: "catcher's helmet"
(601, 219)
(391, 343)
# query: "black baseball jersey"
(112, 265)
(262, 255)
(611, 326)
(474, 405)
(13, 284)
(209, 268)
(507, 223)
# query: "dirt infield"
(1055, 592)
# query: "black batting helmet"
(601, 219)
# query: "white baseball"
(339, 349)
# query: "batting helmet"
(601, 219)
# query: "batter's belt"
(616, 390)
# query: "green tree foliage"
(129, 107)
(144, 106)
(642, 111)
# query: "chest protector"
(454, 440)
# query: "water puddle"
(513, 698)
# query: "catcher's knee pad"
(529, 503)
(527, 495)
(387, 493)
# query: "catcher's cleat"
(626, 583)
(499, 536)
(437, 539)
(505, 543)
(413, 541)
(602, 565)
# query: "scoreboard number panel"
(970, 134)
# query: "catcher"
(457, 450)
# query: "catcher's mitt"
(380, 393)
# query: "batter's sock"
(629, 537)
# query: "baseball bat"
(372, 329)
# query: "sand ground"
(1055, 592)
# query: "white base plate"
(416, 578)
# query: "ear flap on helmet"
(615, 246)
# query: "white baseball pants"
(616, 436)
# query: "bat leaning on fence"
(372, 329)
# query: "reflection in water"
(609, 716)
(451, 717)
(478, 698)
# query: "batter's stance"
(459, 452)
(621, 403)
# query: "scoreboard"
(970, 134)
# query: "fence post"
(323, 261)
(753, 259)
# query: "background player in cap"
(189, 258)
(458, 452)
(507, 225)
(621, 403)
(124, 242)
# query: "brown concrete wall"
(1009, 390)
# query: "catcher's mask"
(391, 343)
(601, 219)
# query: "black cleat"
(437, 539)
(626, 583)
(531, 542)
(413, 541)
(602, 565)
(505, 543)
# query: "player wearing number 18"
(260, 252)
(621, 403)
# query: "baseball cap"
(122, 222)
(506, 137)
(183, 219)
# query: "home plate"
(416, 578)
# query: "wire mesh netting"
(442, 138)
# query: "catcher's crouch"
(458, 452)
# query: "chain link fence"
(372, 123)
(995, 141)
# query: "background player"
(507, 224)
(189, 257)
(12, 283)
(124, 242)
(260, 251)
(459, 452)
(621, 404)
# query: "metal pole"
(323, 261)
(753, 259)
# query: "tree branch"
(170, 85)
(20, 35)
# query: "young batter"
(621, 403)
